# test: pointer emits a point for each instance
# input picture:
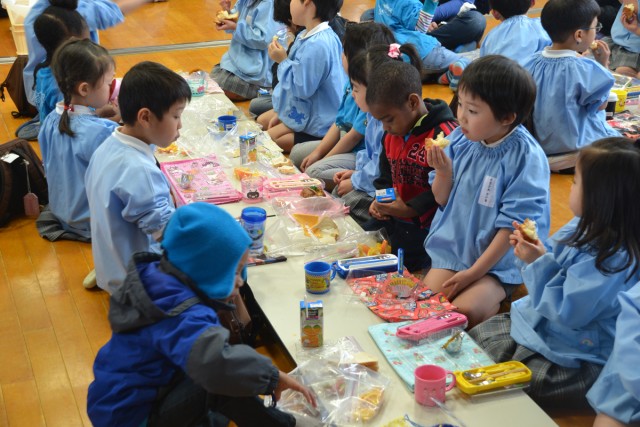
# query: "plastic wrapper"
(347, 394)
(200, 135)
(304, 226)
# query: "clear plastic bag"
(347, 394)
(306, 226)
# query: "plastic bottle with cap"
(253, 221)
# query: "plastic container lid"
(253, 214)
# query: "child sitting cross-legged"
(493, 173)
(169, 361)
(394, 97)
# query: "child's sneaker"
(89, 282)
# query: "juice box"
(248, 148)
(386, 195)
(311, 323)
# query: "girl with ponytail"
(68, 136)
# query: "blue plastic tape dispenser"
(366, 266)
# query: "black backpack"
(13, 178)
(14, 83)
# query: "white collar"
(320, 27)
(560, 53)
(133, 142)
(498, 142)
(77, 109)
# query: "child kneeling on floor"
(169, 362)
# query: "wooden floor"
(50, 326)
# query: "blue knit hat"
(206, 243)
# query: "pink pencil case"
(434, 327)
(199, 180)
(290, 185)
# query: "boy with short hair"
(169, 361)
(310, 78)
(518, 36)
(129, 197)
(394, 97)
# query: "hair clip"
(68, 107)
(394, 50)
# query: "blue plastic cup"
(318, 276)
(226, 123)
(253, 221)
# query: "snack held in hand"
(529, 230)
(594, 45)
(225, 15)
(628, 12)
(440, 141)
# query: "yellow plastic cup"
(622, 99)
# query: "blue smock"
(617, 390)
(623, 37)
(401, 16)
(368, 160)
(571, 90)
(47, 93)
(492, 187)
(65, 161)
(350, 117)
(247, 56)
(99, 14)
(130, 204)
(310, 82)
(517, 38)
(570, 313)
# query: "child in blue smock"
(52, 28)
(572, 90)
(356, 187)
(493, 173)
(310, 78)
(129, 197)
(625, 53)
(246, 66)
(616, 393)
(99, 14)
(338, 149)
(401, 17)
(394, 97)
(518, 36)
(564, 329)
(71, 134)
(169, 361)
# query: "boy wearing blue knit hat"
(168, 362)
